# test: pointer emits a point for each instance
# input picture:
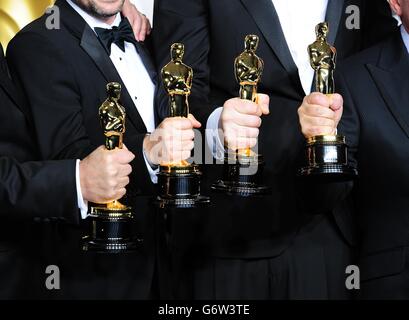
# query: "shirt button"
(120, 58)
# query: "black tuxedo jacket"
(30, 193)
(213, 33)
(375, 86)
(64, 73)
(24, 185)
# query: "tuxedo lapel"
(333, 17)
(147, 61)
(92, 46)
(95, 50)
(391, 78)
(267, 20)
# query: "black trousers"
(312, 267)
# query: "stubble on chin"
(96, 10)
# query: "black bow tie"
(117, 35)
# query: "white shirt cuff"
(152, 172)
(214, 133)
(82, 204)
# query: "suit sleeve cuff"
(214, 134)
(82, 203)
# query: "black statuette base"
(110, 233)
(327, 158)
(179, 187)
(242, 176)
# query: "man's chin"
(109, 11)
(106, 10)
(106, 15)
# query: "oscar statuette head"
(177, 51)
(251, 42)
(322, 30)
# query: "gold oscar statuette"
(327, 155)
(179, 183)
(111, 224)
(243, 169)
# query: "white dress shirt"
(298, 19)
(405, 36)
(135, 77)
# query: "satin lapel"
(267, 20)
(94, 49)
(147, 61)
(89, 42)
(333, 17)
(391, 78)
